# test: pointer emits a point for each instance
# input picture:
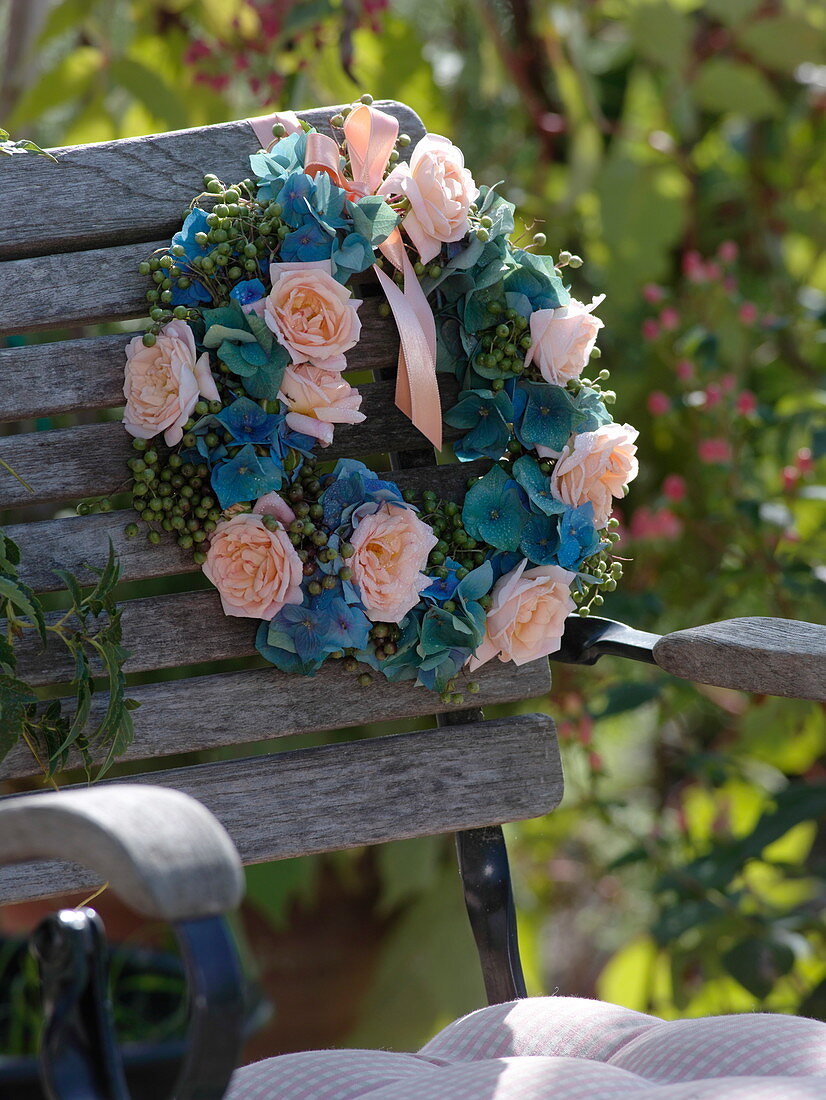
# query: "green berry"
(130, 530)
(149, 340)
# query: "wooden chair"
(69, 248)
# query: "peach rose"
(527, 616)
(392, 546)
(162, 383)
(311, 314)
(318, 399)
(562, 340)
(256, 571)
(596, 466)
(440, 190)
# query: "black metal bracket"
(80, 1057)
(587, 638)
(483, 865)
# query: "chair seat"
(565, 1048)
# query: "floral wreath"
(241, 373)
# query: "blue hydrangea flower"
(286, 157)
(308, 242)
(487, 415)
(250, 290)
(443, 588)
(537, 485)
(544, 415)
(195, 293)
(295, 198)
(351, 255)
(284, 659)
(351, 485)
(578, 537)
(247, 422)
(247, 476)
(540, 539)
(326, 205)
(534, 276)
(349, 627)
(305, 630)
(493, 511)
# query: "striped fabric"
(565, 1048)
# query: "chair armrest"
(161, 851)
(762, 655)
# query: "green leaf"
(782, 42)
(108, 578)
(732, 87)
(149, 88)
(21, 596)
(373, 219)
(216, 334)
(69, 79)
(15, 697)
(661, 34)
(757, 963)
(9, 554)
(65, 17)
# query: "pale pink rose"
(318, 399)
(256, 571)
(273, 504)
(392, 547)
(596, 466)
(311, 314)
(562, 340)
(162, 383)
(440, 190)
(527, 616)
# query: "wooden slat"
(236, 708)
(71, 542)
(67, 376)
(362, 792)
(133, 190)
(90, 459)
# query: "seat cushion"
(565, 1048)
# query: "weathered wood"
(90, 459)
(133, 190)
(236, 708)
(71, 542)
(361, 792)
(71, 375)
(160, 851)
(767, 656)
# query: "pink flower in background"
(728, 252)
(693, 267)
(748, 313)
(440, 190)
(273, 504)
(730, 283)
(311, 314)
(790, 477)
(596, 467)
(317, 399)
(746, 403)
(647, 523)
(685, 370)
(162, 383)
(714, 395)
(713, 271)
(658, 403)
(650, 329)
(713, 451)
(669, 319)
(653, 293)
(803, 458)
(562, 340)
(674, 487)
(256, 571)
(527, 616)
(728, 382)
(392, 547)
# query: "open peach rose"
(440, 190)
(527, 616)
(162, 383)
(256, 571)
(596, 466)
(311, 314)
(562, 340)
(317, 399)
(392, 547)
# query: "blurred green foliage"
(678, 146)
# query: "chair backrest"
(70, 242)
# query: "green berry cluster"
(173, 495)
(241, 232)
(445, 518)
(503, 346)
(606, 571)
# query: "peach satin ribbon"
(371, 136)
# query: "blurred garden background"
(679, 147)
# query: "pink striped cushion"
(565, 1048)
